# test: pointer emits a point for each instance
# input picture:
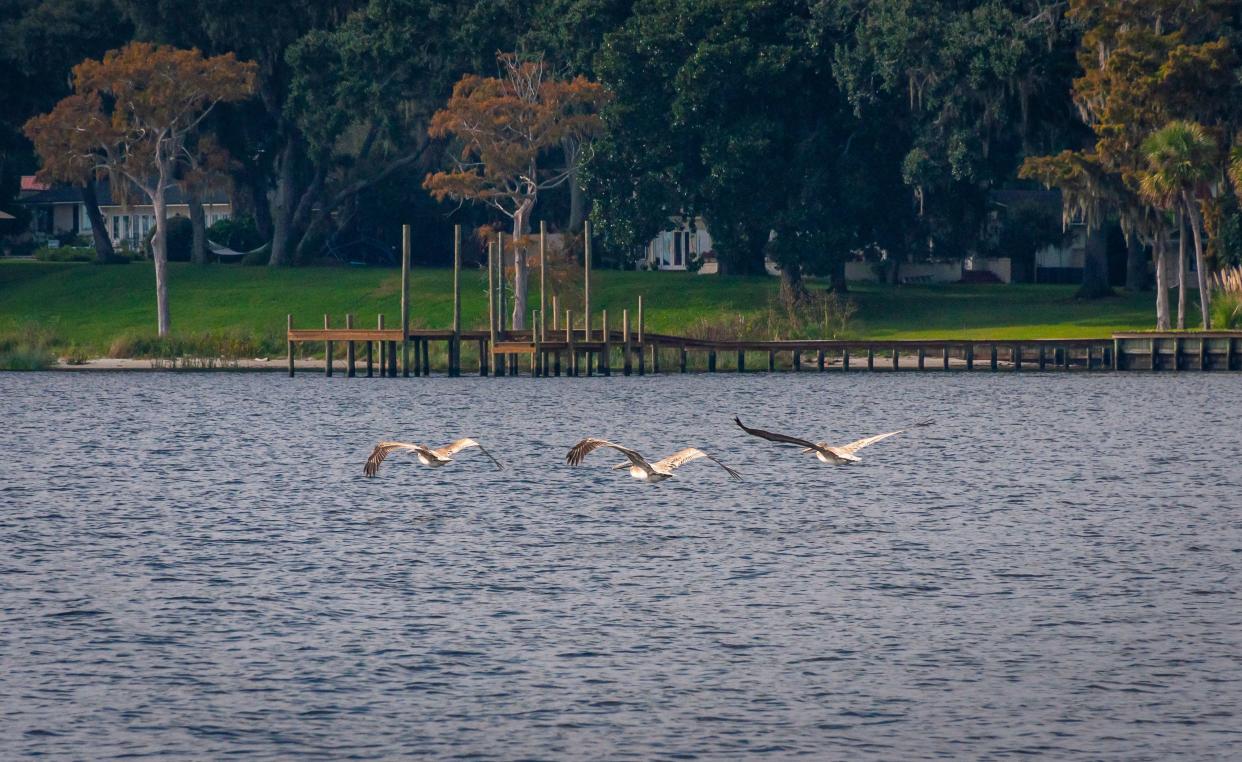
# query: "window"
(677, 240)
(116, 228)
(85, 219)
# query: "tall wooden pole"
(543, 281)
(383, 347)
(500, 284)
(351, 355)
(405, 301)
(328, 349)
(642, 345)
(586, 281)
(491, 297)
(455, 348)
(288, 328)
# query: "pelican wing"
(854, 447)
(383, 448)
(449, 450)
(682, 457)
(589, 445)
(772, 437)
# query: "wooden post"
(1015, 356)
(454, 355)
(1155, 354)
(819, 360)
(482, 357)
(605, 357)
(586, 280)
(895, 360)
(405, 304)
(571, 355)
(491, 302)
(797, 359)
(970, 357)
(534, 336)
(500, 285)
(845, 358)
(771, 361)
(655, 357)
(370, 371)
(1043, 357)
(682, 359)
(327, 349)
(1117, 354)
(1177, 354)
(870, 358)
(543, 280)
(994, 366)
(383, 348)
(741, 361)
(392, 359)
(351, 369)
(1203, 353)
(711, 361)
(1228, 353)
(626, 345)
(921, 353)
(426, 356)
(642, 343)
(945, 351)
(288, 328)
(1089, 357)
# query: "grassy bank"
(102, 310)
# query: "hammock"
(225, 253)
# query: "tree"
(1182, 159)
(39, 41)
(505, 127)
(133, 114)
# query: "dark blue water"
(193, 566)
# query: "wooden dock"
(578, 347)
(578, 352)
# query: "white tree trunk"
(1205, 296)
(1162, 285)
(521, 275)
(159, 251)
(1181, 271)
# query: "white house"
(58, 214)
(673, 249)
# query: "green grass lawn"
(92, 305)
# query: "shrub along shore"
(78, 311)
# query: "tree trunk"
(1159, 248)
(1095, 267)
(1136, 264)
(159, 252)
(99, 226)
(839, 284)
(198, 223)
(282, 205)
(577, 203)
(1196, 227)
(521, 226)
(793, 290)
(1181, 271)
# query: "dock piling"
(642, 344)
(351, 357)
(454, 354)
(288, 328)
(405, 305)
(605, 357)
(626, 361)
(327, 348)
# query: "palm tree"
(1181, 159)
(1159, 190)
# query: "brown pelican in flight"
(839, 455)
(427, 456)
(640, 467)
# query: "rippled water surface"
(193, 566)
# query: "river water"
(193, 566)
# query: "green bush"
(28, 347)
(236, 233)
(180, 239)
(65, 254)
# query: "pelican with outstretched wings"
(839, 455)
(640, 467)
(426, 455)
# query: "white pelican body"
(839, 455)
(435, 458)
(639, 467)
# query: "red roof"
(30, 184)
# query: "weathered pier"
(578, 345)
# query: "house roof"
(6, 216)
(72, 194)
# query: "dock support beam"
(626, 360)
(454, 353)
(289, 327)
(845, 359)
(605, 356)
(642, 342)
(328, 349)
(682, 359)
(572, 355)
(741, 361)
(351, 355)
(405, 304)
